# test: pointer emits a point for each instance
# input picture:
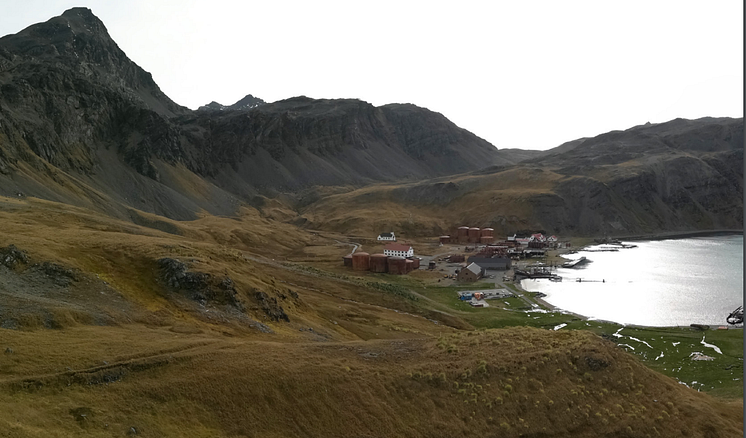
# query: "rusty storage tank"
(397, 265)
(487, 232)
(361, 261)
(378, 263)
(486, 239)
(416, 264)
(347, 260)
(463, 234)
(445, 239)
(408, 265)
(474, 235)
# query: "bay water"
(659, 283)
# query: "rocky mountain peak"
(77, 33)
(246, 103)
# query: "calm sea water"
(659, 283)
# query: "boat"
(736, 316)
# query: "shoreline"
(679, 235)
(552, 308)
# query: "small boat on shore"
(736, 316)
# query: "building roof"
(473, 267)
(397, 247)
(490, 262)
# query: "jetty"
(575, 263)
(542, 272)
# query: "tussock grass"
(218, 386)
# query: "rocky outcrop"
(199, 286)
(12, 257)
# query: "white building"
(387, 236)
(398, 249)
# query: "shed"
(347, 260)
(472, 272)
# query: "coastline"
(648, 237)
(679, 235)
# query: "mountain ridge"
(80, 123)
(74, 110)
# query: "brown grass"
(352, 361)
(536, 382)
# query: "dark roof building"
(470, 273)
(502, 263)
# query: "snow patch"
(640, 341)
(714, 347)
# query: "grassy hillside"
(96, 341)
(509, 382)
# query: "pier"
(574, 263)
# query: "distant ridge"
(246, 103)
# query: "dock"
(574, 263)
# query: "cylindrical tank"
(474, 235)
(378, 262)
(347, 260)
(487, 232)
(397, 265)
(486, 239)
(445, 239)
(409, 265)
(361, 261)
(463, 234)
(416, 264)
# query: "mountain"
(81, 123)
(683, 175)
(246, 103)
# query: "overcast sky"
(527, 75)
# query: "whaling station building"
(398, 249)
(396, 259)
(390, 237)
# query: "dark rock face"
(11, 256)
(199, 286)
(61, 275)
(271, 307)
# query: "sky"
(527, 75)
